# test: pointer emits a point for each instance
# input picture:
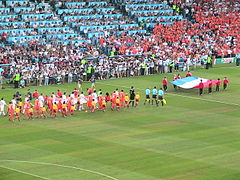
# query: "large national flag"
(192, 82)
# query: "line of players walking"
(36, 105)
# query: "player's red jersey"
(89, 100)
(225, 81)
(59, 93)
(90, 91)
(49, 100)
(114, 99)
(37, 106)
(107, 98)
(210, 84)
(75, 92)
(10, 109)
(201, 85)
(59, 104)
(164, 82)
(122, 95)
(114, 95)
(100, 99)
(35, 94)
(69, 104)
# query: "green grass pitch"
(192, 137)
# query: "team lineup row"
(36, 105)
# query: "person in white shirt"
(2, 105)
(41, 98)
(94, 95)
(14, 103)
(64, 97)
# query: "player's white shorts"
(1, 108)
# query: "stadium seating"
(22, 21)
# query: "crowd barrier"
(104, 10)
(81, 28)
(97, 3)
(37, 16)
(23, 9)
(151, 18)
(13, 3)
(152, 25)
(7, 17)
(61, 36)
(54, 29)
(73, 42)
(74, 4)
(102, 27)
(136, 6)
(4, 10)
(151, 11)
(16, 31)
(22, 38)
(67, 18)
(45, 23)
(3, 24)
(131, 32)
(61, 11)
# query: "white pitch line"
(23, 172)
(64, 166)
(190, 97)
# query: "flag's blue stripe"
(179, 82)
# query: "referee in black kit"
(132, 96)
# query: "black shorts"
(147, 97)
(132, 98)
(154, 96)
(160, 98)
